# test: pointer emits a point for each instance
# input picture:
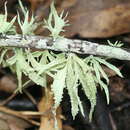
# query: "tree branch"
(64, 45)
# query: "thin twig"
(18, 114)
(30, 97)
(8, 99)
(64, 45)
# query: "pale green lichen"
(116, 44)
(28, 26)
(55, 22)
(5, 26)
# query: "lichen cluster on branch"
(67, 69)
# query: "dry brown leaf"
(63, 4)
(109, 71)
(117, 89)
(4, 125)
(99, 18)
(35, 4)
(8, 83)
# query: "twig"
(114, 127)
(18, 114)
(30, 97)
(8, 99)
(64, 45)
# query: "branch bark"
(64, 45)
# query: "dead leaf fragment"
(99, 18)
